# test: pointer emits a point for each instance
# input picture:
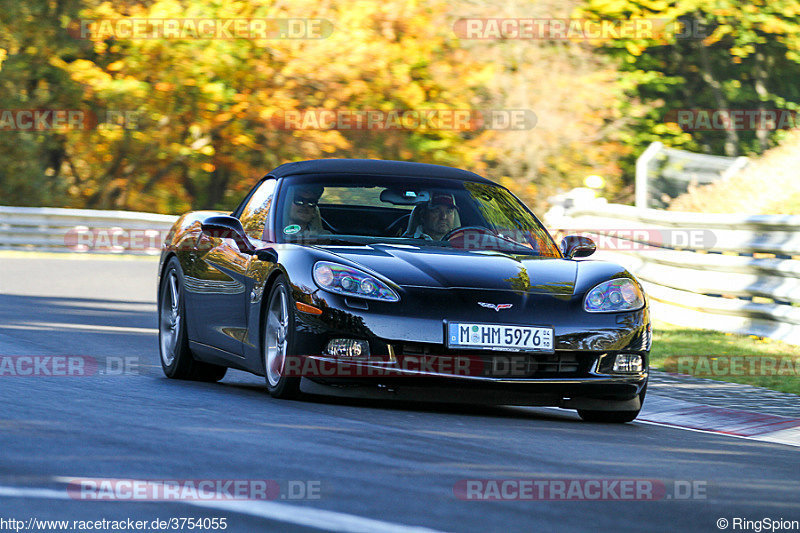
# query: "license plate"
(499, 336)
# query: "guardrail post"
(642, 170)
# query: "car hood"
(448, 268)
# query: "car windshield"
(418, 212)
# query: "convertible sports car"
(388, 279)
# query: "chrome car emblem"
(496, 307)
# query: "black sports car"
(387, 279)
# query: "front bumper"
(416, 381)
(577, 375)
(601, 393)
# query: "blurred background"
(201, 130)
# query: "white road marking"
(26, 254)
(82, 327)
(789, 437)
(765, 438)
(280, 512)
(310, 517)
(17, 492)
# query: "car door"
(221, 288)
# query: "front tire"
(610, 417)
(613, 417)
(176, 358)
(278, 341)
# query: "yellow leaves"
(412, 94)
(166, 8)
(216, 91)
(667, 128)
(86, 72)
(775, 25)
(389, 55)
(742, 51)
(243, 140)
(634, 48)
(610, 7)
(657, 5)
(328, 148)
(3, 55)
(718, 34)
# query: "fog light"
(628, 362)
(348, 348)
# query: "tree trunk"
(760, 84)
(707, 73)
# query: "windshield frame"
(395, 179)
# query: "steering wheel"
(391, 229)
(327, 225)
(464, 229)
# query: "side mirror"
(267, 254)
(227, 227)
(577, 246)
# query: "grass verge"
(748, 359)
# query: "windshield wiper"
(335, 239)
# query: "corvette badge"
(496, 307)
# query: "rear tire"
(176, 357)
(278, 341)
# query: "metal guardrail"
(732, 273)
(726, 272)
(82, 230)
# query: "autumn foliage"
(188, 122)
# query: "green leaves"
(727, 54)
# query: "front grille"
(489, 363)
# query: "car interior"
(400, 215)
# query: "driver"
(438, 217)
(303, 215)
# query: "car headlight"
(349, 281)
(614, 295)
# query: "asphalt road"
(368, 466)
